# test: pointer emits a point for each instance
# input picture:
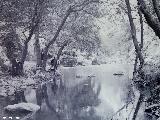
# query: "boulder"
(30, 107)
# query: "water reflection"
(78, 97)
(59, 102)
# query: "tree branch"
(59, 28)
(141, 22)
(151, 21)
(156, 8)
(34, 24)
(141, 44)
(61, 48)
(133, 33)
(83, 5)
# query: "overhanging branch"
(156, 8)
(151, 20)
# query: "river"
(114, 80)
(113, 87)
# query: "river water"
(112, 96)
(113, 87)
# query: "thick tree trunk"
(69, 11)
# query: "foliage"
(12, 46)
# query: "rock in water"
(30, 107)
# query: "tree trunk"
(55, 37)
(141, 44)
(138, 49)
(141, 97)
(24, 53)
(135, 65)
(133, 33)
(3, 67)
(61, 49)
(140, 100)
(45, 57)
(35, 22)
(25, 49)
(141, 22)
(38, 49)
(60, 52)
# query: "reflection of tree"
(48, 103)
(73, 103)
(83, 100)
(41, 94)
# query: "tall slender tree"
(138, 49)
